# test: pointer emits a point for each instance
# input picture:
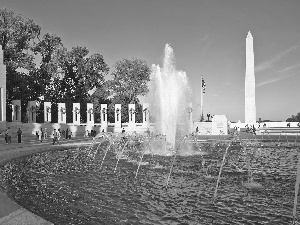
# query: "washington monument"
(250, 108)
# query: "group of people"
(57, 135)
(42, 134)
(251, 129)
(93, 133)
(8, 133)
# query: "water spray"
(120, 155)
(220, 172)
(296, 190)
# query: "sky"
(208, 39)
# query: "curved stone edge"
(12, 213)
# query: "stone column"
(90, 113)
(146, 114)
(76, 113)
(16, 111)
(31, 111)
(118, 117)
(104, 122)
(131, 112)
(190, 114)
(2, 88)
(62, 118)
(47, 112)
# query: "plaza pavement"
(10, 212)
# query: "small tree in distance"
(294, 118)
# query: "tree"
(294, 118)
(81, 74)
(130, 80)
(17, 35)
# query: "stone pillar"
(47, 112)
(62, 118)
(146, 114)
(76, 113)
(118, 117)
(2, 88)
(90, 113)
(250, 108)
(31, 111)
(104, 123)
(16, 111)
(190, 120)
(131, 112)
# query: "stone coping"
(10, 212)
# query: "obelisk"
(250, 108)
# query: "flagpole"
(201, 101)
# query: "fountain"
(169, 96)
(126, 179)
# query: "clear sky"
(208, 38)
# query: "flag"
(203, 86)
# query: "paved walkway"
(10, 212)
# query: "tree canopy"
(40, 68)
(130, 80)
(294, 118)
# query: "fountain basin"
(69, 192)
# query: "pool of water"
(64, 188)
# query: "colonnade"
(32, 111)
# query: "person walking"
(19, 134)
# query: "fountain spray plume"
(169, 95)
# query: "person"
(67, 133)
(54, 136)
(41, 134)
(58, 135)
(19, 133)
(45, 133)
(288, 125)
(63, 133)
(123, 130)
(197, 129)
(8, 133)
(5, 135)
(254, 130)
(86, 134)
(148, 132)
